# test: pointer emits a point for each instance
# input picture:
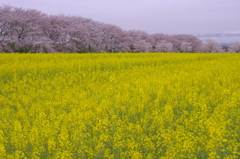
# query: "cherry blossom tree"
(164, 46)
(26, 30)
(25, 26)
(76, 33)
(20, 29)
(157, 40)
(235, 47)
(56, 29)
(111, 38)
(210, 46)
(5, 28)
(190, 40)
(186, 47)
(140, 41)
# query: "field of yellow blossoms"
(126, 105)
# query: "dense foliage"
(29, 30)
(120, 106)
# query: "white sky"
(152, 16)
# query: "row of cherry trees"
(24, 30)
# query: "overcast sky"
(152, 16)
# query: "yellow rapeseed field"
(147, 105)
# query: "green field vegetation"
(149, 105)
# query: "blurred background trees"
(30, 30)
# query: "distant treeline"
(27, 30)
